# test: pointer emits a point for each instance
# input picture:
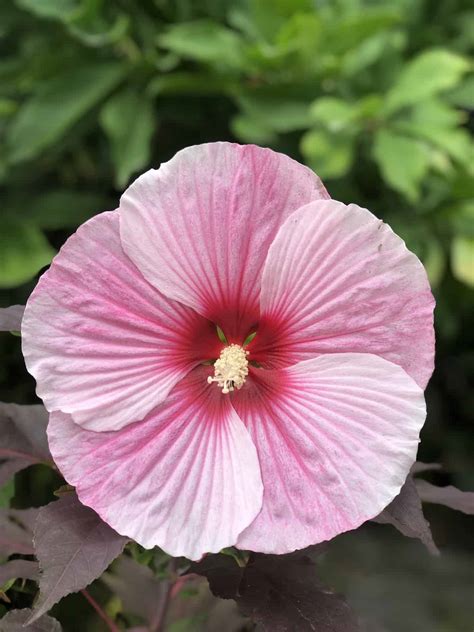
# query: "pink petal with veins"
(186, 478)
(336, 437)
(199, 228)
(337, 280)
(103, 344)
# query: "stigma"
(231, 368)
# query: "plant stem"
(103, 615)
(157, 625)
(179, 583)
(169, 591)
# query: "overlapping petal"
(103, 344)
(337, 279)
(335, 437)
(200, 227)
(186, 478)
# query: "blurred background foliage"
(377, 96)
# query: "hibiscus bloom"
(300, 424)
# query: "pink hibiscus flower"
(269, 442)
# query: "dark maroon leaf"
(10, 318)
(73, 546)
(140, 591)
(449, 496)
(405, 513)
(15, 621)
(418, 467)
(16, 531)
(281, 593)
(18, 569)
(23, 439)
(223, 574)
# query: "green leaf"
(330, 155)
(269, 16)
(60, 102)
(204, 41)
(461, 217)
(434, 113)
(251, 130)
(100, 34)
(24, 250)
(128, 119)
(463, 94)
(434, 261)
(141, 555)
(369, 107)
(195, 83)
(301, 37)
(7, 107)
(59, 9)
(351, 30)
(428, 74)
(462, 259)
(457, 143)
(438, 123)
(82, 19)
(335, 114)
(6, 493)
(61, 208)
(275, 113)
(370, 51)
(403, 162)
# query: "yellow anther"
(231, 369)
